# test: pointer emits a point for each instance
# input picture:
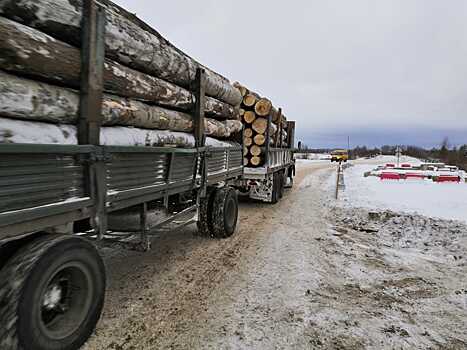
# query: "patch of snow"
(313, 156)
(300, 162)
(441, 200)
(21, 131)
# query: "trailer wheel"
(281, 184)
(224, 212)
(52, 293)
(205, 215)
(275, 189)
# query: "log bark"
(249, 117)
(128, 41)
(243, 90)
(28, 52)
(263, 107)
(259, 139)
(29, 100)
(20, 131)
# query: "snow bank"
(442, 200)
(313, 156)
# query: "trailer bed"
(44, 186)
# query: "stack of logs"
(255, 112)
(147, 81)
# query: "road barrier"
(340, 184)
(390, 176)
(448, 178)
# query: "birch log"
(128, 40)
(30, 100)
(259, 140)
(255, 160)
(263, 107)
(243, 90)
(249, 100)
(255, 150)
(20, 131)
(249, 117)
(29, 52)
(260, 125)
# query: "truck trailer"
(59, 202)
(56, 202)
(268, 181)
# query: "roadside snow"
(309, 161)
(441, 200)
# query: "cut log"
(255, 150)
(260, 125)
(20, 131)
(26, 99)
(259, 139)
(243, 90)
(34, 54)
(128, 41)
(247, 141)
(249, 117)
(274, 115)
(245, 161)
(263, 107)
(241, 112)
(248, 132)
(249, 100)
(255, 161)
(245, 151)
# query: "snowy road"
(293, 276)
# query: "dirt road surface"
(294, 276)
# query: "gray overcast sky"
(387, 71)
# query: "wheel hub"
(52, 297)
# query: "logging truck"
(62, 200)
(59, 203)
(268, 181)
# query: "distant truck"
(266, 183)
(339, 155)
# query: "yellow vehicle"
(339, 155)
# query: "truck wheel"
(52, 293)
(275, 189)
(281, 183)
(205, 215)
(224, 212)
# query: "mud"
(301, 274)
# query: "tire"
(205, 215)
(52, 292)
(224, 212)
(281, 184)
(275, 189)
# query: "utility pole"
(348, 145)
(398, 155)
